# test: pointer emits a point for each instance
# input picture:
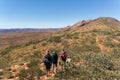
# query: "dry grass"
(76, 40)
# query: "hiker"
(63, 57)
(47, 62)
(54, 61)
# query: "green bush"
(32, 42)
(6, 50)
(75, 35)
(55, 39)
(96, 66)
(33, 63)
(3, 63)
(65, 43)
(68, 36)
(23, 74)
(34, 47)
(32, 71)
(44, 44)
(69, 71)
(37, 54)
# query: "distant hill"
(92, 45)
(25, 29)
(99, 23)
(12, 37)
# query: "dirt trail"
(45, 77)
(79, 62)
(101, 46)
(116, 41)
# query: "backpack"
(47, 59)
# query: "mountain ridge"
(92, 47)
(108, 23)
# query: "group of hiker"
(52, 61)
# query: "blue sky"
(54, 13)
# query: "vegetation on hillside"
(94, 52)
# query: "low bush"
(55, 39)
(33, 63)
(96, 66)
(3, 63)
(32, 42)
(37, 54)
(32, 71)
(34, 47)
(6, 50)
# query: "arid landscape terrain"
(12, 37)
(92, 45)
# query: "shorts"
(48, 66)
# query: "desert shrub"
(65, 43)
(37, 54)
(32, 42)
(68, 36)
(32, 71)
(75, 35)
(106, 32)
(33, 63)
(6, 50)
(109, 44)
(34, 47)
(117, 33)
(55, 39)
(93, 34)
(85, 48)
(88, 40)
(74, 55)
(96, 66)
(10, 75)
(23, 74)
(94, 30)
(44, 44)
(3, 63)
(116, 53)
(67, 72)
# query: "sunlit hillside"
(92, 45)
(13, 37)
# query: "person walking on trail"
(63, 57)
(47, 62)
(54, 61)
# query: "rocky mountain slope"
(92, 46)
